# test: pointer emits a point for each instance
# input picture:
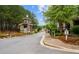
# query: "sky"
(37, 10)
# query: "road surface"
(28, 44)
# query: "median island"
(62, 27)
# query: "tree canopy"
(64, 13)
(61, 14)
(12, 15)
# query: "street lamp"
(27, 16)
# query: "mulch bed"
(70, 40)
(10, 34)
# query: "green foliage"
(12, 15)
(75, 29)
(63, 13)
(51, 26)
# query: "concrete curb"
(60, 48)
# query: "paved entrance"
(25, 44)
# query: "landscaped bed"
(70, 40)
(10, 34)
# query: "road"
(28, 44)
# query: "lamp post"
(27, 16)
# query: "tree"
(12, 15)
(61, 14)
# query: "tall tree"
(61, 13)
(12, 15)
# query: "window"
(25, 25)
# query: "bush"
(75, 29)
(52, 28)
(58, 34)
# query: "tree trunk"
(71, 24)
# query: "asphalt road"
(28, 44)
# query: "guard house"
(26, 25)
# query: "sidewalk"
(59, 45)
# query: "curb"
(60, 48)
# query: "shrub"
(52, 29)
(51, 26)
(58, 34)
(75, 29)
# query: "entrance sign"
(66, 32)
